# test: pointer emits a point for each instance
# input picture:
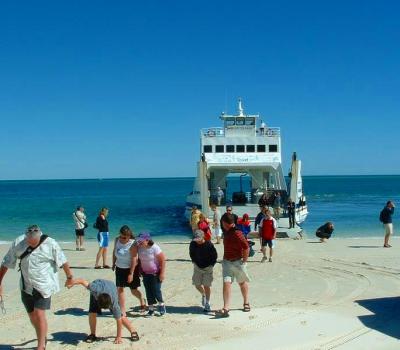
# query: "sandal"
(134, 336)
(91, 338)
(98, 267)
(223, 313)
(246, 307)
(106, 267)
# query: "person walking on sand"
(126, 267)
(386, 218)
(152, 262)
(216, 224)
(220, 195)
(267, 230)
(103, 238)
(39, 257)
(291, 210)
(80, 225)
(204, 257)
(103, 295)
(236, 252)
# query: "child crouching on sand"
(103, 295)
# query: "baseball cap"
(143, 236)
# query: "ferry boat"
(241, 161)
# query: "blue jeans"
(152, 285)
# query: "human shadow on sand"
(18, 345)
(75, 311)
(68, 338)
(364, 246)
(386, 318)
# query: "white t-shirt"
(148, 259)
(123, 254)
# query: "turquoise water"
(157, 205)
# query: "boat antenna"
(240, 108)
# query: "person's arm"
(162, 263)
(3, 271)
(245, 247)
(68, 273)
(134, 261)
(191, 250)
(118, 338)
(114, 258)
(76, 281)
(214, 255)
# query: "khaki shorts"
(388, 229)
(232, 270)
(202, 277)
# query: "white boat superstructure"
(243, 159)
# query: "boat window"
(229, 121)
(250, 121)
(239, 121)
(240, 148)
(260, 148)
(230, 148)
(207, 149)
(250, 148)
(219, 148)
(273, 148)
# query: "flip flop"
(223, 313)
(246, 307)
(98, 267)
(134, 336)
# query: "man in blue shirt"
(386, 218)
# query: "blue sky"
(100, 89)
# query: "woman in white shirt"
(126, 266)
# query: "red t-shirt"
(234, 244)
(268, 228)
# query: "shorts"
(217, 232)
(388, 228)
(102, 238)
(121, 277)
(202, 277)
(80, 232)
(232, 270)
(268, 242)
(35, 301)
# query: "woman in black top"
(102, 238)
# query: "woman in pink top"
(152, 261)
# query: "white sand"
(338, 295)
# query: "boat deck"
(253, 209)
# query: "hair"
(388, 202)
(228, 206)
(213, 206)
(126, 231)
(267, 211)
(228, 218)
(150, 242)
(33, 233)
(79, 207)
(202, 216)
(245, 216)
(104, 301)
(104, 211)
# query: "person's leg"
(78, 242)
(201, 289)
(226, 293)
(92, 322)
(244, 289)
(104, 255)
(121, 300)
(98, 256)
(271, 251)
(207, 292)
(128, 325)
(151, 300)
(81, 242)
(157, 289)
(41, 327)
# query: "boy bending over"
(103, 295)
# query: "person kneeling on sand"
(204, 257)
(325, 231)
(103, 295)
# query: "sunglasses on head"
(33, 230)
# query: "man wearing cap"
(40, 257)
(204, 257)
(236, 252)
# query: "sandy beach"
(338, 295)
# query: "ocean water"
(353, 203)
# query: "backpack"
(382, 216)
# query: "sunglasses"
(2, 307)
(123, 236)
(33, 230)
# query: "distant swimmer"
(325, 231)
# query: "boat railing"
(220, 132)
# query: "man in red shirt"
(267, 230)
(236, 252)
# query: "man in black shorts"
(39, 255)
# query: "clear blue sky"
(97, 89)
